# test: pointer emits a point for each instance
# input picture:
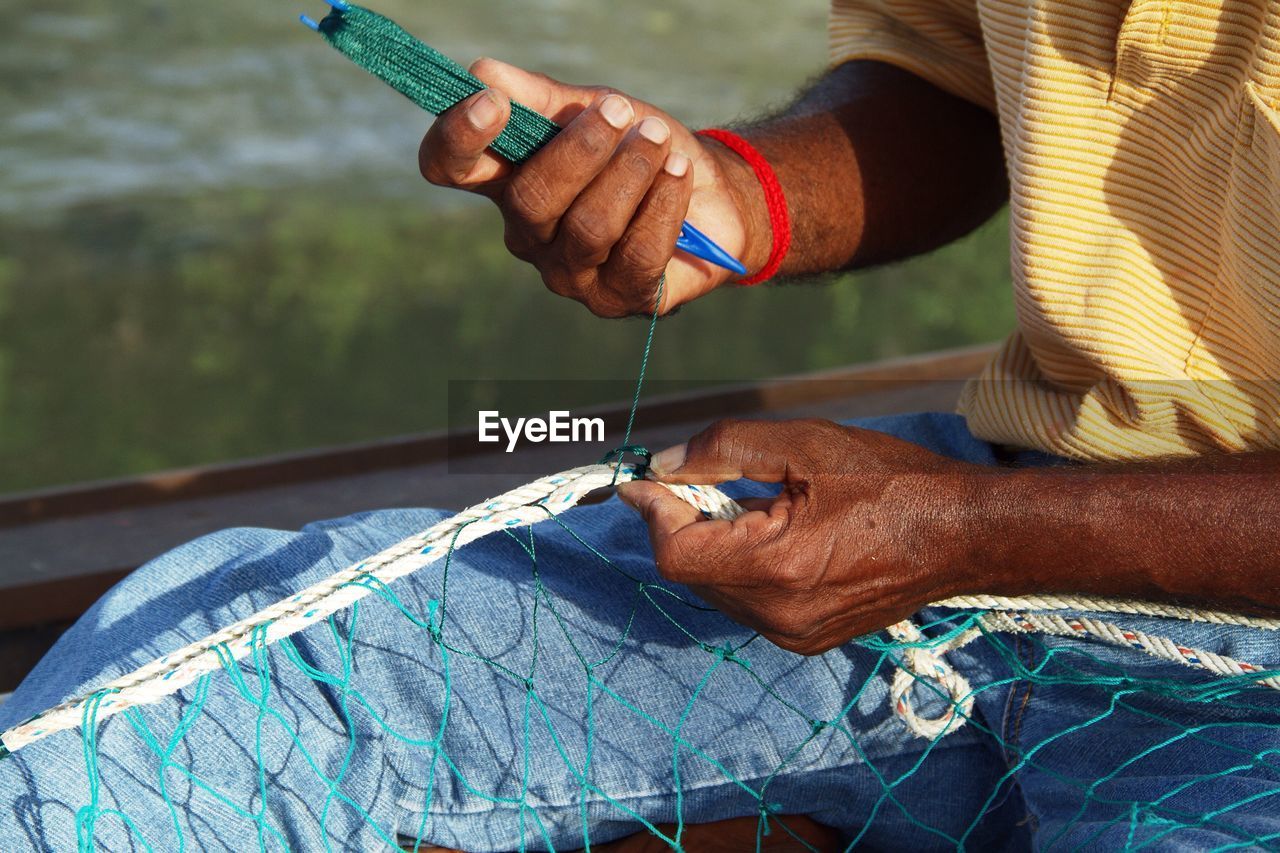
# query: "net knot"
(724, 653)
(618, 454)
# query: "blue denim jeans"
(1103, 748)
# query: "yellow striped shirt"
(1143, 146)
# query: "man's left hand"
(866, 530)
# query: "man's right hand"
(599, 208)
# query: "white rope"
(1156, 646)
(920, 662)
(1108, 605)
(552, 495)
(520, 507)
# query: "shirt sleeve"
(938, 40)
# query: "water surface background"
(214, 243)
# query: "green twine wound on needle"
(436, 83)
(426, 76)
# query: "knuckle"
(633, 295)
(518, 242)
(594, 140)
(559, 283)
(484, 67)
(527, 198)
(642, 253)
(721, 439)
(815, 439)
(668, 198)
(791, 578)
(607, 306)
(587, 234)
(788, 626)
(599, 93)
(639, 166)
(544, 80)
(570, 280)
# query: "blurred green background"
(214, 242)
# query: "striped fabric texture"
(1143, 146)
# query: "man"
(1145, 269)
(1139, 147)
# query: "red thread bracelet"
(775, 200)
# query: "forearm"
(1200, 532)
(877, 165)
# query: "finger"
(583, 285)
(455, 152)
(540, 192)
(608, 304)
(642, 253)
(665, 513)
(601, 213)
(729, 450)
(673, 525)
(690, 549)
(560, 102)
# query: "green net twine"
(426, 76)
(436, 83)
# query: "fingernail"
(617, 111)
(655, 130)
(668, 461)
(485, 112)
(677, 165)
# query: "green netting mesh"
(1226, 728)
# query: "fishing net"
(518, 677)
(455, 688)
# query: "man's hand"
(869, 528)
(876, 165)
(860, 537)
(599, 208)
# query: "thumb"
(729, 450)
(558, 101)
